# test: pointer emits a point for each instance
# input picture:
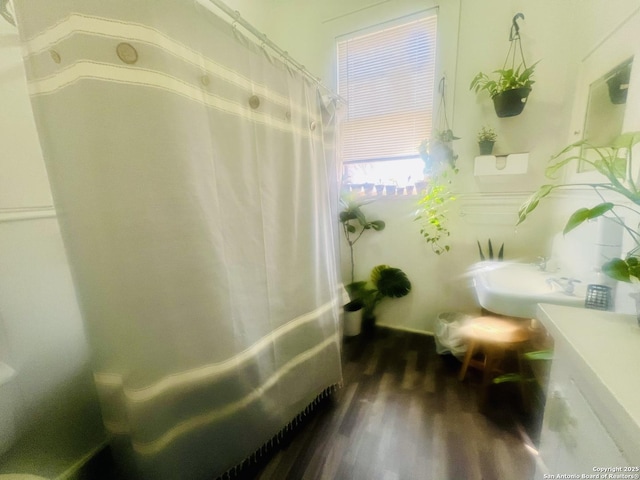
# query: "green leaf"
(351, 228)
(376, 273)
(539, 355)
(583, 214)
(393, 282)
(482, 258)
(617, 269)
(532, 202)
(619, 167)
(626, 140)
(501, 253)
(356, 290)
(490, 250)
(553, 168)
(568, 148)
(378, 225)
(509, 377)
(360, 216)
(346, 215)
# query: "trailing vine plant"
(433, 210)
(440, 167)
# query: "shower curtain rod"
(237, 18)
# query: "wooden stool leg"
(491, 359)
(467, 359)
(523, 390)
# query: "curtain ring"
(236, 17)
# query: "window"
(387, 76)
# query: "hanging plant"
(440, 167)
(433, 209)
(511, 89)
(437, 152)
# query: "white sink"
(515, 289)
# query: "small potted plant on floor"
(486, 139)
(384, 282)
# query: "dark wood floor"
(402, 415)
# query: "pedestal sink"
(515, 289)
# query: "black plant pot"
(511, 102)
(486, 147)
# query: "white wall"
(50, 406)
(473, 36)
(547, 34)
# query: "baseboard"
(405, 329)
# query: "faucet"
(541, 263)
(565, 283)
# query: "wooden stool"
(492, 337)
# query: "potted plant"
(615, 163)
(390, 189)
(486, 139)
(437, 152)
(436, 193)
(384, 281)
(511, 89)
(354, 224)
(490, 252)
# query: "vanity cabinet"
(592, 412)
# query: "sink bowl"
(515, 289)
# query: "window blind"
(387, 77)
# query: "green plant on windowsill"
(615, 163)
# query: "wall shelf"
(511, 164)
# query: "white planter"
(352, 322)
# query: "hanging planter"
(437, 151)
(511, 102)
(512, 88)
(436, 192)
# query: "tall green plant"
(354, 224)
(615, 163)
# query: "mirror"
(606, 107)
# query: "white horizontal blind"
(388, 80)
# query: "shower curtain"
(194, 186)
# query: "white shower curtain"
(193, 186)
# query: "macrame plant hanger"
(514, 78)
(443, 134)
(515, 44)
